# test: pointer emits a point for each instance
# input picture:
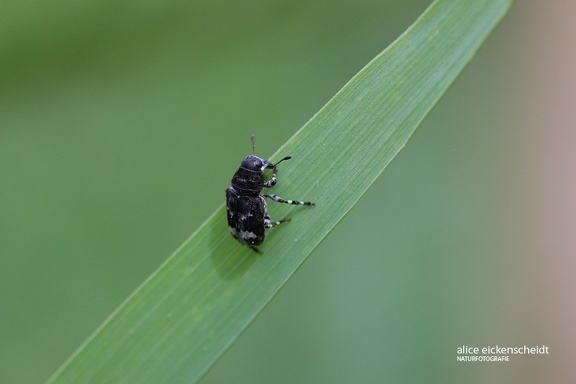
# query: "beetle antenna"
(253, 138)
(286, 158)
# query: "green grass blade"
(176, 325)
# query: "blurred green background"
(121, 124)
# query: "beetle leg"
(268, 223)
(270, 183)
(255, 249)
(278, 199)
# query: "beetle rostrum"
(246, 207)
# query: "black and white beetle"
(246, 206)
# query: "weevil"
(246, 207)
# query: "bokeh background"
(121, 124)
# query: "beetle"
(246, 206)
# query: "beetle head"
(255, 163)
